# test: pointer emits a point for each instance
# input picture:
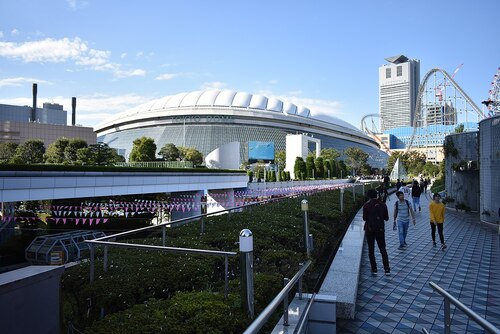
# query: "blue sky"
(113, 55)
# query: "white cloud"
(1, 34)
(139, 54)
(20, 81)
(273, 82)
(213, 85)
(166, 76)
(66, 50)
(14, 32)
(75, 4)
(123, 55)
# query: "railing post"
(91, 263)
(300, 281)
(342, 200)
(305, 207)
(105, 262)
(447, 316)
(354, 193)
(202, 228)
(226, 275)
(285, 304)
(163, 235)
(246, 259)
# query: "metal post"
(447, 316)
(305, 207)
(91, 263)
(364, 188)
(226, 275)
(285, 304)
(164, 235)
(105, 262)
(354, 193)
(246, 260)
(342, 200)
(202, 229)
(300, 281)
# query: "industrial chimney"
(73, 114)
(33, 110)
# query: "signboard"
(258, 150)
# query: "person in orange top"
(436, 210)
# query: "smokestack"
(73, 114)
(33, 110)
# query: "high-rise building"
(398, 90)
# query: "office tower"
(398, 90)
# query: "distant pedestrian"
(436, 210)
(386, 181)
(398, 184)
(382, 193)
(405, 190)
(415, 195)
(402, 213)
(375, 215)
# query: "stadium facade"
(209, 119)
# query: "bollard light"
(246, 262)
(304, 205)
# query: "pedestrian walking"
(436, 210)
(375, 214)
(398, 184)
(405, 190)
(415, 195)
(382, 193)
(402, 213)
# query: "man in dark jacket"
(375, 215)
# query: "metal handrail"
(257, 324)
(448, 298)
(302, 321)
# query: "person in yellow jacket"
(436, 210)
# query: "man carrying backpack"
(375, 214)
(402, 213)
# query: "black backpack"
(376, 222)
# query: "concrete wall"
(489, 138)
(30, 300)
(462, 177)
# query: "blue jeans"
(403, 231)
(416, 202)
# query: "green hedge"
(135, 277)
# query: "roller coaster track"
(421, 92)
(367, 130)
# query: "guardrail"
(448, 300)
(282, 296)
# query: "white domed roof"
(225, 99)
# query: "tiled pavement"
(469, 269)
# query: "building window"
(387, 73)
(399, 70)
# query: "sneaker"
(443, 246)
(405, 244)
(374, 271)
(419, 208)
(434, 244)
(388, 272)
(401, 247)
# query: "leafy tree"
(356, 158)
(329, 153)
(144, 149)
(99, 154)
(342, 170)
(415, 162)
(280, 159)
(7, 151)
(366, 169)
(73, 146)
(55, 151)
(430, 169)
(30, 152)
(310, 167)
(319, 167)
(299, 168)
(190, 154)
(328, 168)
(169, 152)
(459, 128)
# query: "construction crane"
(442, 85)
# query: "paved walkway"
(469, 269)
